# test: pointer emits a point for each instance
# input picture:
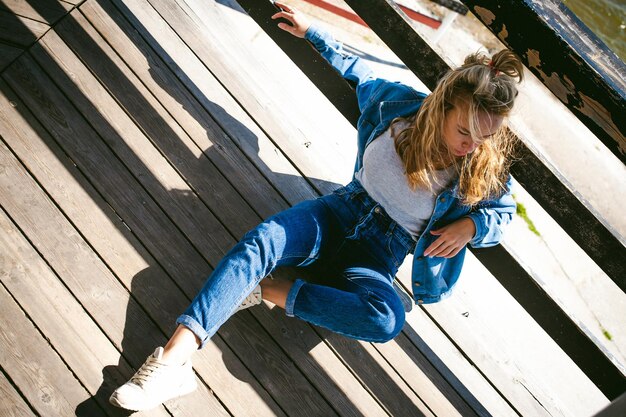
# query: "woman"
(431, 176)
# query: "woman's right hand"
(299, 21)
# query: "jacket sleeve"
(351, 68)
(490, 218)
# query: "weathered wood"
(591, 358)
(455, 365)
(311, 64)
(133, 264)
(568, 58)
(7, 55)
(384, 381)
(520, 359)
(20, 31)
(132, 203)
(55, 112)
(12, 404)
(203, 128)
(42, 377)
(167, 137)
(55, 312)
(90, 281)
(286, 121)
(426, 381)
(44, 11)
(213, 99)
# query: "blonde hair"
(480, 85)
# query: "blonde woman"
(431, 176)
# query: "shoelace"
(146, 372)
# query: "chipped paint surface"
(602, 117)
(485, 15)
(503, 34)
(563, 88)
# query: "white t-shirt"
(382, 176)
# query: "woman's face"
(456, 130)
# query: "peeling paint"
(533, 58)
(596, 112)
(565, 90)
(485, 15)
(561, 87)
(503, 34)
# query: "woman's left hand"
(452, 238)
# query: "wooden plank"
(101, 294)
(44, 11)
(36, 369)
(20, 31)
(55, 312)
(169, 139)
(206, 127)
(207, 90)
(35, 213)
(134, 265)
(8, 54)
(287, 121)
(517, 356)
(12, 404)
(426, 381)
(464, 376)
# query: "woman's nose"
(470, 145)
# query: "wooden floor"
(139, 140)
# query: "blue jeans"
(345, 238)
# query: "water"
(606, 18)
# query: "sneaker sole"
(182, 392)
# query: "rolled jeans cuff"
(291, 297)
(195, 328)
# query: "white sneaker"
(154, 383)
(255, 298)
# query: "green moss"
(606, 334)
(521, 211)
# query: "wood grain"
(44, 11)
(20, 31)
(43, 378)
(12, 404)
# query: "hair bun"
(507, 63)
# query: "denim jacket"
(380, 101)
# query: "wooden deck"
(139, 140)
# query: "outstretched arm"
(351, 67)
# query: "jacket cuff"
(314, 33)
(480, 222)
